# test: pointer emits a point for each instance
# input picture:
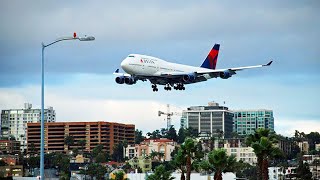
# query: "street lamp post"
(86, 38)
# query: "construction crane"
(168, 114)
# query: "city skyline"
(80, 86)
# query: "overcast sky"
(80, 86)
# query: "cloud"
(287, 127)
(252, 33)
(89, 97)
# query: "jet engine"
(189, 77)
(129, 80)
(120, 79)
(225, 74)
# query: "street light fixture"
(75, 37)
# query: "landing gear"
(179, 87)
(167, 87)
(154, 88)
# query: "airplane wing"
(232, 70)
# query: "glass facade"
(247, 121)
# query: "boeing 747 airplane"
(161, 72)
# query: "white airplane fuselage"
(136, 64)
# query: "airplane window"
(130, 56)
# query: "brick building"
(94, 133)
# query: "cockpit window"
(131, 56)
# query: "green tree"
(181, 135)
(125, 145)
(153, 154)
(262, 143)
(34, 162)
(160, 173)
(32, 149)
(191, 132)
(138, 138)
(97, 150)
(313, 138)
(220, 162)
(69, 141)
(75, 152)
(179, 162)
(95, 170)
(245, 170)
(155, 134)
(82, 143)
(101, 158)
(171, 134)
(303, 171)
(117, 154)
(62, 161)
(2, 163)
(189, 148)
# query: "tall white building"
(212, 119)
(14, 122)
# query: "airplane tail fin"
(211, 61)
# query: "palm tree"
(262, 143)
(219, 162)
(69, 141)
(82, 143)
(153, 154)
(189, 148)
(180, 162)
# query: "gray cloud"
(183, 32)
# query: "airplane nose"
(124, 64)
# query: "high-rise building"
(247, 121)
(14, 121)
(212, 119)
(94, 133)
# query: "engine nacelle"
(189, 77)
(129, 80)
(120, 79)
(225, 74)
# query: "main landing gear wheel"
(154, 88)
(167, 87)
(179, 87)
